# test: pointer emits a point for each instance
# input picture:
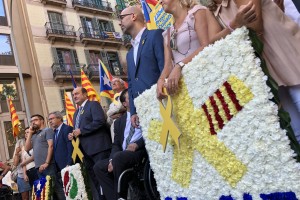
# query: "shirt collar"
(83, 104)
(138, 37)
(58, 128)
(219, 6)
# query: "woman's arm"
(17, 156)
(168, 66)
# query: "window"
(114, 63)
(8, 88)
(11, 141)
(6, 54)
(56, 22)
(106, 26)
(120, 5)
(65, 58)
(3, 20)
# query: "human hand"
(110, 167)
(135, 121)
(76, 132)
(173, 80)
(70, 136)
(132, 147)
(18, 150)
(23, 164)
(160, 95)
(116, 116)
(245, 15)
(43, 167)
(26, 178)
(31, 131)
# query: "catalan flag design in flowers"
(85, 83)
(231, 146)
(70, 110)
(42, 188)
(15, 122)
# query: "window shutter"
(104, 59)
(111, 25)
(54, 55)
(74, 57)
(88, 57)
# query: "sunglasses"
(173, 40)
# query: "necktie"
(78, 118)
(131, 133)
(55, 136)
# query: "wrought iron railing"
(60, 29)
(92, 33)
(63, 69)
(127, 39)
(106, 6)
(93, 70)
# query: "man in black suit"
(62, 149)
(128, 149)
(90, 127)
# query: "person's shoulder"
(48, 130)
(155, 32)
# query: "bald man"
(145, 60)
(90, 126)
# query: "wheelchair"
(6, 193)
(141, 185)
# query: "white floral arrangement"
(73, 183)
(231, 144)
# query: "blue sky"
(4, 47)
(1, 8)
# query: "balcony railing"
(61, 71)
(85, 5)
(62, 32)
(93, 71)
(55, 2)
(127, 41)
(99, 37)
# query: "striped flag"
(105, 82)
(70, 110)
(110, 77)
(14, 119)
(85, 83)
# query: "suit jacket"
(119, 128)
(95, 135)
(149, 64)
(63, 147)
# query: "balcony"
(101, 38)
(93, 72)
(60, 32)
(61, 71)
(61, 3)
(127, 41)
(93, 7)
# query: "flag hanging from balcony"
(105, 81)
(85, 83)
(71, 74)
(155, 16)
(14, 119)
(70, 110)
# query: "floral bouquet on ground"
(219, 137)
(75, 181)
(42, 189)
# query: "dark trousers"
(32, 175)
(59, 193)
(89, 162)
(122, 160)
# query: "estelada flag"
(15, 122)
(85, 83)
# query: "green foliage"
(8, 91)
(284, 117)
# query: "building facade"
(54, 37)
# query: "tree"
(8, 91)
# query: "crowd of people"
(112, 142)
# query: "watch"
(181, 64)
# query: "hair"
(58, 115)
(210, 4)
(120, 80)
(188, 3)
(26, 128)
(122, 96)
(39, 116)
(84, 91)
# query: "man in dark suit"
(128, 149)
(62, 149)
(90, 127)
(145, 60)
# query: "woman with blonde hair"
(182, 41)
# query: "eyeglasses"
(124, 15)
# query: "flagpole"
(14, 48)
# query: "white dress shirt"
(291, 11)
(137, 132)
(135, 44)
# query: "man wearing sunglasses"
(145, 60)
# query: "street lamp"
(27, 111)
